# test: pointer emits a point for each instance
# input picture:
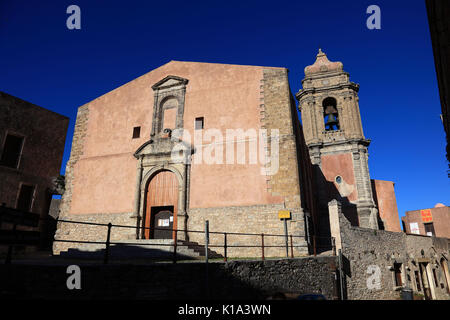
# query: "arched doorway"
(161, 207)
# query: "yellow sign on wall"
(426, 215)
(284, 214)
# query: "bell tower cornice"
(339, 87)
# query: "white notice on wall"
(165, 222)
(414, 227)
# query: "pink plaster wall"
(384, 194)
(339, 165)
(227, 96)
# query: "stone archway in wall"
(161, 205)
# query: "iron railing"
(224, 245)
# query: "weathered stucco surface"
(384, 195)
(106, 171)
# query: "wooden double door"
(161, 206)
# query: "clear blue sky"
(43, 62)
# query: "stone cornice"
(364, 142)
(303, 92)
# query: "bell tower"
(334, 135)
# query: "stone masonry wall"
(232, 280)
(250, 219)
(367, 253)
(276, 114)
(75, 154)
(84, 232)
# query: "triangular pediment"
(169, 82)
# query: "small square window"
(136, 132)
(199, 123)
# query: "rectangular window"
(11, 151)
(199, 123)
(398, 274)
(25, 198)
(429, 229)
(136, 132)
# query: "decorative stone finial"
(322, 64)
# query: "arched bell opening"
(330, 114)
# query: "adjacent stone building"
(379, 264)
(31, 149)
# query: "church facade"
(192, 142)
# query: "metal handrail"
(223, 245)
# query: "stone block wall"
(79, 135)
(85, 232)
(276, 113)
(368, 252)
(249, 219)
(232, 280)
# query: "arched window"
(330, 114)
(169, 109)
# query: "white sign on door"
(163, 223)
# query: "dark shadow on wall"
(325, 192)
(187, 281)
(140, 252)
(375, 198)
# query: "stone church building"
(190, 142)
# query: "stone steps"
(148, 248)
(200, 249)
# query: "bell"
(330, 109)
(331, 122)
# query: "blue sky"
(43, 62)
